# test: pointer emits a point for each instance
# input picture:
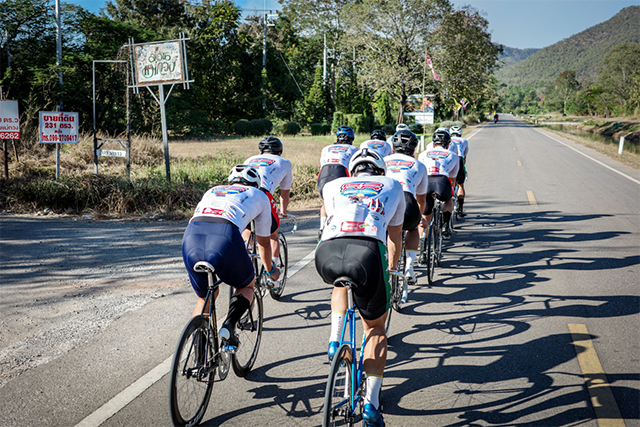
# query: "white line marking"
(591, 158)
(125, 397)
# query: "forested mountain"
(582, 52)
(513, 55)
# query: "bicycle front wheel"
(189, 392)
(283, 264)
(249, 330)
(339, 394)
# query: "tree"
(389, 37)
(566, 87)
(166, 17)
(315, 103)
(619, 75)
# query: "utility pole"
(59, 64)
(324, 62)
(264, 61)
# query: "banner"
(435, 76)
(57, 127)
(9, 120)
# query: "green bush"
(257, 127)
(450, 123)
(389, 129)
(320, 129)
(286, 128)
(218, 126)
(338, 120)
(242, 127)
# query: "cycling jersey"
(381, 147)
(238, 204)
(440, 161)
(463, 145)
(362, 207)
(337, 154)
(274, 171)
(411, 173)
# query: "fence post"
(621, 145)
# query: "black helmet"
(345, 135)
(378, 135)
(441, 137)
(405, 142)
(270, 144)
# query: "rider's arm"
(284, 201)
(394, 244)
(422, 205)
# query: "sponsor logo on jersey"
(375, 145)
(225, 190)
(352, 227)
(398, 165)
(213, 211)
(361, 190)
(338, 149)
(437, 154)
(261, 162)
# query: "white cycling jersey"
(362, 206)
(463, 145)
(239, 204)
(453, 147)
(440, 161)
(381, 147)
(409, 172)
(274, 171)
(337, 154)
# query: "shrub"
(389, 129)
(286, 128)
(338, 120)
(320, 129)
(218, 126)
(242, 127)
(450, 123)
(257, 127)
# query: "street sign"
(159, 63)
(58, 127)
(9, 120)
(112, 153)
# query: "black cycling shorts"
(220, 244)
(441, 187)
(462, 173)
(411, 213)
(364, 260)
(330, 172)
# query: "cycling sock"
(274, 262)
(460, 202)
(411, 257)
(238, 305)
(446, 216)
(337, 320)
(374, 384)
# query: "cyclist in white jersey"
(213, 235)
(275, 171)
(378, 143)
(442, 168)
(412, 174)
(334, 163)
(463, 144)
(399, 127)
(363, 210)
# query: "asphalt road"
(91, 311)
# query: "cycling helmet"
(270, 144)
(402, 126)
(441, 137)
(378, 135)
(455, 131)
(345, 135)
(405, 142)
(366, 160)
(245, 175)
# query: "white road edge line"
(125, 397)
(591, 158)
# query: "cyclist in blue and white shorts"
(213, 235)
(366, 212)
(463, 151)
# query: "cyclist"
(463, 151)
(442, 167)
(399, 127)
(362, 209)
(378, 143)
(213, 235)
(412, 174)
(274, 171)
(334, 163)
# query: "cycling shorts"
(330, 172)
(220, 243)
(441, 187)
(411, 212)
(275, 219)
(364, 260)
(462, 173)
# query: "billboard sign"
(159, 63)
(9, 120)
(58, 127)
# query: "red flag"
(435, 76)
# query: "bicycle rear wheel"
(188, 393)
(283, 264)
(431, 254)
(249, 331)
(337, 410)
(438, 239)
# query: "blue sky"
(514, 23)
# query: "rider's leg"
(200, 304)
(374, 356)
(339, 302)
(239, 304)
(275, 246)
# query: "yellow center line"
(532, 198)
(602, 399)
(519, 163)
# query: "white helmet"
(455, 131)
(245, 175)
(369, 161)
(402, 126)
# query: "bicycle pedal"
(229, 349)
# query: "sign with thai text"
(9, 120)
(58, 127)
(158, 63)
(112, 153)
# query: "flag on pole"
(464, 103)
(435, 76)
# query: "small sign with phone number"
(9, 120)
(58, 127)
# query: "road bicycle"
(199, 354)
(397, 285)
(433, 243)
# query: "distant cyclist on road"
(463, 151)
(412, 174)
(362, 210)
(334, 163)
(378, 143)
(213, 235)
